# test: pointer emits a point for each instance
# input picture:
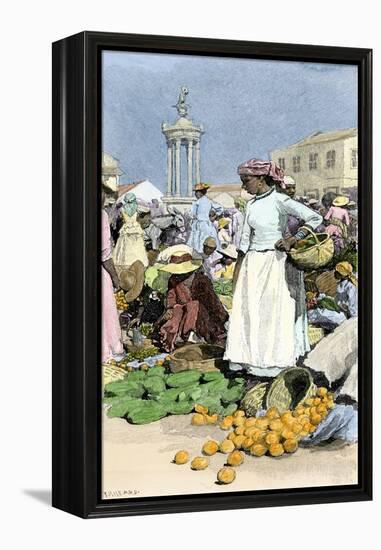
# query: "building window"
(332, 189)
(282, 163)
(331, 158)
(354, 159)
(296, 164)
(312, 193)
(313, 161)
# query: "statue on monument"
(181, 106)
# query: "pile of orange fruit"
(274, 433)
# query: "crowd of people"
(228, 279)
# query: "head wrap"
(288, 180)
(256, 167)
(346, 270)
(130, 204)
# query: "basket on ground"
(316, 255)
(291, 387)
(203, 357)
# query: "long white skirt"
(268, 327)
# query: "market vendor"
(211, 259)
(191, 306)
(346, 293)
(328, 312)
(228, 260)
(268, 323)
(223, 230)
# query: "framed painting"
(212, 274)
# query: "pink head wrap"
(256, 167)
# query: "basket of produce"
(203, 357)
(291, 387)
(313, 252)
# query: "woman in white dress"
(130, 244)
(268, 323)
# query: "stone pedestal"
(183, 133)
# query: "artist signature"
(120, 493)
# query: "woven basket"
(112, 373)
(315, 334)
(291, 387)
(203, 357)
(253, 399)
(317, 255)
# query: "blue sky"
(247, 107)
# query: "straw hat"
(230, 251)
(223, 222)
(181, 263)
(131, 280)
(209, 241)
(340, 201)
(313, 201)
(201, 187)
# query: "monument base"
(181, 203)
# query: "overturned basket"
(315, 256)
(203, 357)
(291, 387)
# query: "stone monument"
(183, 133)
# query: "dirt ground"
(137, 462)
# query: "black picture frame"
(76, 280)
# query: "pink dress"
(338, 213)
(111, 333)
(340, 217)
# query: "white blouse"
(266, 220)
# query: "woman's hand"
(285, 244)
(115, 282)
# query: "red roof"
(126, 187)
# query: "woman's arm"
(110, 268)
(311, 219)
(237, 268)
(294, 208)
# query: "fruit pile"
(272, 434)
(121, 303)
(149, 394)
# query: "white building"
(321, 162)
(143, 190)
(110, 171)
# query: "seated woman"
(229, 258)
(328, 313)
(191, 306)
